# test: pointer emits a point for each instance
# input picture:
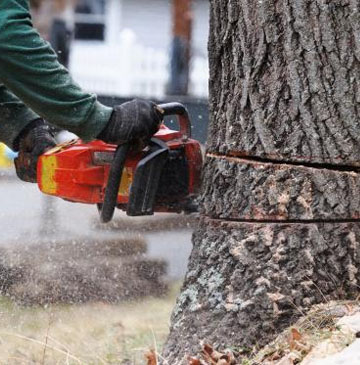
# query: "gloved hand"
(134, 121)
(32, 142)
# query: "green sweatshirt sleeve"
(14, 116)
(30, 70)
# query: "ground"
(329, 334)
(92, 333)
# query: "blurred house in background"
(122, 47)
(54, 20)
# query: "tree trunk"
(284, 80)
(280, 227)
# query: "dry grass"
(83, 334)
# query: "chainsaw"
(162, 177)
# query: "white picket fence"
(130, 69)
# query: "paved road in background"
(23, 219)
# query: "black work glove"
(32, 142)
(134, 121)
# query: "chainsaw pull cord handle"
(107, 208)
(181, 112)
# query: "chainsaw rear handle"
(106, 209)
(181, 112)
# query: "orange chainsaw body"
(78, 171)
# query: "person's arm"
(29, 68)
(14, 117)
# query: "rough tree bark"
(280, 227)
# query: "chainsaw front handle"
(106, 209)
(181, 112)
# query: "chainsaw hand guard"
(146, 180)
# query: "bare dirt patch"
(79, 271)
